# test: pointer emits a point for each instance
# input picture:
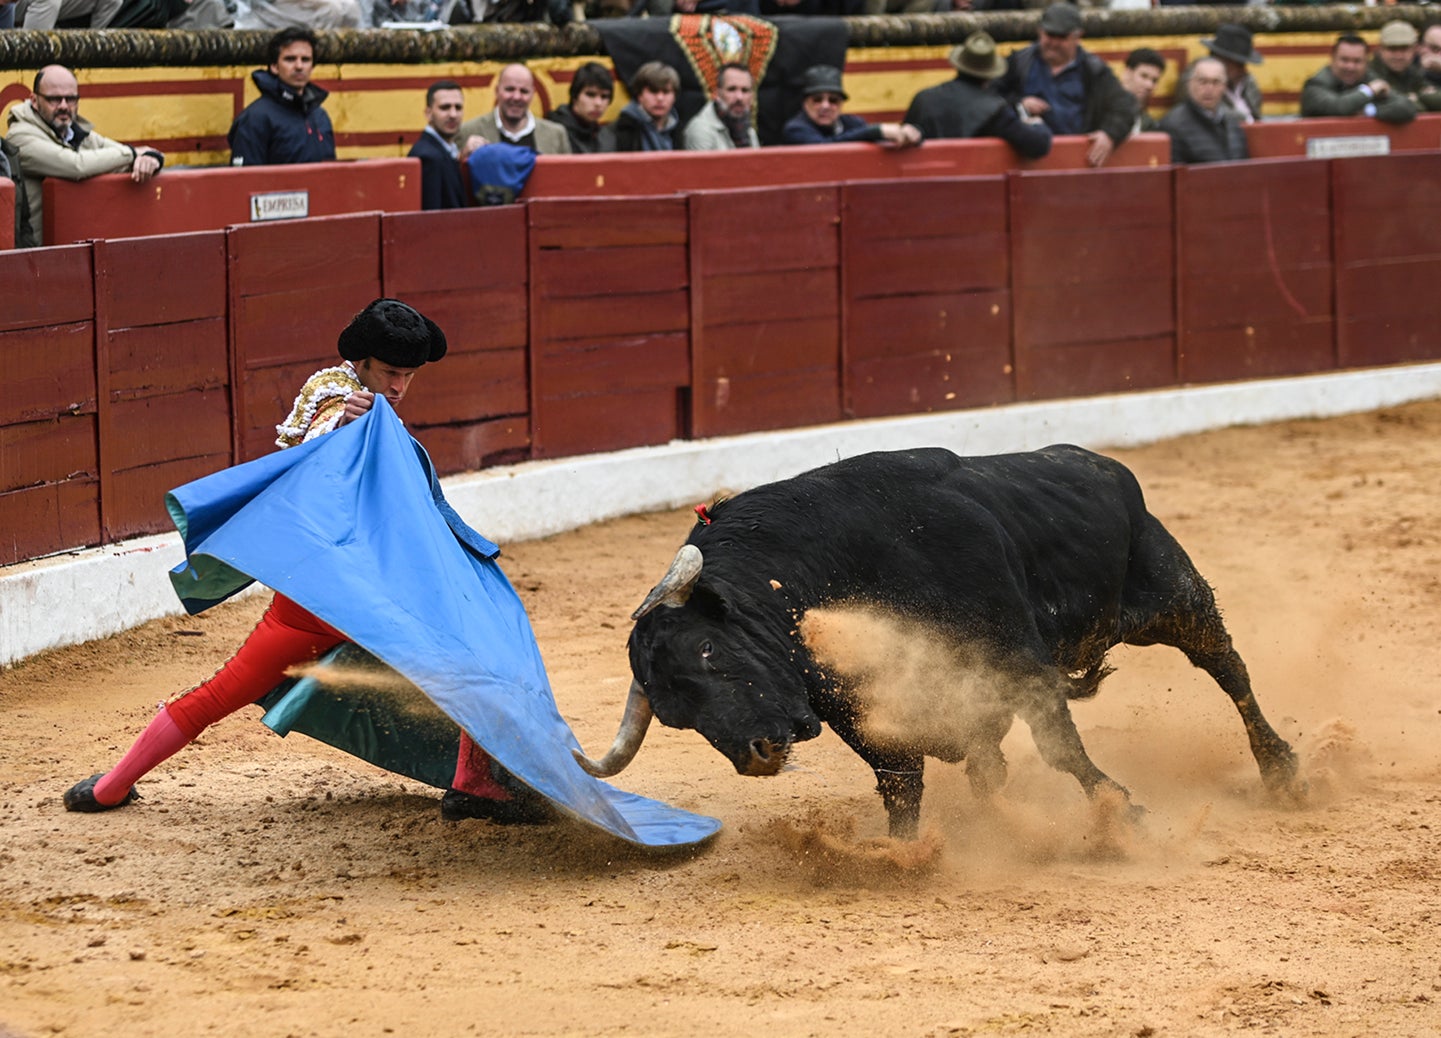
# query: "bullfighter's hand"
(356, 404)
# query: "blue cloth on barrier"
(353, 527)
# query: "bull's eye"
(705, 650)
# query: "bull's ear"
(710, 603)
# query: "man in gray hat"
(1394, 62)
(1232, 46)
(1341, 88)
(821, 121)
(1072, 91)
(967, 107)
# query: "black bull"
(1043, 560)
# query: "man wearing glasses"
(53, 141)
(820, 120)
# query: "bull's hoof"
(1283, 781)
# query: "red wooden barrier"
(7, 214)
(572, 176)
(1388, 260)
(465, 270)
(765, 304)
(1254, 274)
(293, 286)
(180, 200)
(610, 320)
(927, 304)
(162, 338)
(1092, 281)
(1288, 139)
(49, 485)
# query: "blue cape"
(353, 527)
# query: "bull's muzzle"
(766, 758)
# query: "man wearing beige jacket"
(53, 141)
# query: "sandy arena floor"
(275, 887)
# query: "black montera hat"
(393, 333)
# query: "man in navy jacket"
(285, 124)
(440, 149)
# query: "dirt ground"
(276, 887)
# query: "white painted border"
(94, 593)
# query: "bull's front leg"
(900, 790)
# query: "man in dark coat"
(966, 107)
(285, 124)
(1341, 88)
(821, 121)
(1070, 90)
(440, 148)
(1202, 127)
(1394, 62)
(591, 91)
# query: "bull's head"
(699, 662)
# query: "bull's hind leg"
(1178, 608)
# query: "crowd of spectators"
(1051, 87)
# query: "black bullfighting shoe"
(525, 807)
(81, 796)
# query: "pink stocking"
(472, 772)
(162, 739)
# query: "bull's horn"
(633, 724)
(674, 587)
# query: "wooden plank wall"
(49, 465)
(162, 337)
(765, 310)
(1254, 272)
(581, 325)
(466, 271)
(610, 323)
(293, 286)
(1388, 258)
(1093, 282)
(927, 296)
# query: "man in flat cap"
(381, 350)
(821, 121)
(1071, 90)
(1341, 88)
(966, 107)
(1394, 62)
(1232, 46)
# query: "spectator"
(7, 14)
(1232, 47)
(591, 91)
(1070, 90)
(1395, 63)
(47, 14)
(967, 107)
(820, 120)
(1430, 54)
(649, 122)
(1341, 88)
(511, 120)
(1202, 128)
(301, 14)
(11, 170)
(1144, 69)
(440, 148)
(53, 141)
(725, 123)
(286, 123)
